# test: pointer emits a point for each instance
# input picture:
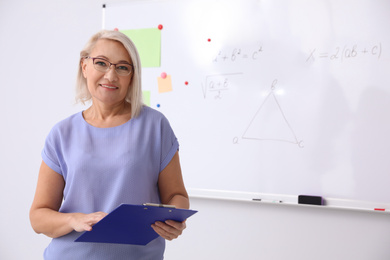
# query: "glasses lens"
(101, 65)
(123, 69)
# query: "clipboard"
(131, 224)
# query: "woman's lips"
(108, 86)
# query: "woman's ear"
(83, 64)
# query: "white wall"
(39, 45)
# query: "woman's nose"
(111, 74)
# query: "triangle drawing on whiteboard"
(270, 123)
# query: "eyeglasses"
(103, 65)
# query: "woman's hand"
(84, 222)
(44, 213)
(169, 229)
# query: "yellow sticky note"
(148, 43)
(146, 96)
(164, 85)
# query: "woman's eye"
(101, 64)
(121, 67)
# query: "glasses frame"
(108, 67)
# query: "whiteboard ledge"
(240, 196)
(330, 203)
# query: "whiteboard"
(283, 97)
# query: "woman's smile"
(108, 86)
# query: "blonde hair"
(134, 94)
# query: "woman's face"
(107, 87)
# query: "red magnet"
(160, 26)
(186, 82)
(209, 40)
(163, 75)
(116, 29)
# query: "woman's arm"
(171, 185)
(172, 192)
(44, 215)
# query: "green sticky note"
(148, 43)
(146, 96)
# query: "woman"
(116, 151)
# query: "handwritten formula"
(216, 85)
(237, 54)
(346, 52)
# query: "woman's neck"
(104, 116)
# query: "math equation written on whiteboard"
(237, 54)
(218, 84)
(346, 52)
